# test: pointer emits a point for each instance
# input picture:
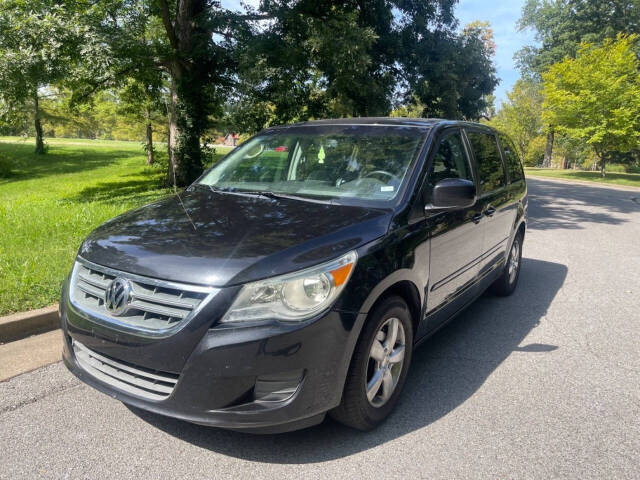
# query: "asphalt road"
(545, 383)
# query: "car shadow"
(446, 371)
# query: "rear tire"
(377, 372)
(506, 284)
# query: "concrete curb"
(21, 325)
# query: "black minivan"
(295, 277)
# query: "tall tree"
(520, 116)
(143, 100)
(596, 97)
(345, 58)
(186, 40)
(451, 74)
(39, 45)
(562, 25)
(198, 66)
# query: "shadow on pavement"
(563, 205)
(446, 371)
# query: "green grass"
(49, 203)
(629, 179)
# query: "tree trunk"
(548, 151)
(187, 110)
(173, 130)
(149, 137)
(603, 166)
(38, 125)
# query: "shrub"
(616, 168)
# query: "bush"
(616, 168)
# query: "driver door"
(456, 235)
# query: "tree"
(338, 58)
(520, 117)
(562, 26)
(596, 97)
(188, 41)
(451, 74)
(143, 101)
(39, 45)
(199, 69)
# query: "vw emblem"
(117, 296)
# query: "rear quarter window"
(490, 168)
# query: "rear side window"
(514, 168)
(490, 168)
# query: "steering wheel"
(373, 174)
(258, 151)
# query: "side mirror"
(452, 193)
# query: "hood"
(221, 239)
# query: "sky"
(502, 15)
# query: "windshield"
(338, 161)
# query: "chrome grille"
(144, 382)
(154, 305)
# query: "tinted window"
(449, 161)
(511, 159)
(490, 169)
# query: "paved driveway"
(545, 383)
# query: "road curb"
(21, 325)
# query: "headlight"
(294, 296)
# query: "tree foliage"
(281, 61)
(343, 58)
(520, 117)
(41, 44)
(561, 26)
(596, 96)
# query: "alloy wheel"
(514, 260)
(386, 358)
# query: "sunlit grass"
(630, 179)
(49, 203)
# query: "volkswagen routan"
(296, 276)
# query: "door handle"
(477, 217)
(490, 211)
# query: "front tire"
(379, 366)
(506, 284)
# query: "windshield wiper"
(275, 196)
(264, 193)
(217, 189)
(267, 194)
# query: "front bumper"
(217, 368)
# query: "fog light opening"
(277, 387)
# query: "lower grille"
(143, 382)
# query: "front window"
(338, 161)
(449, 161)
